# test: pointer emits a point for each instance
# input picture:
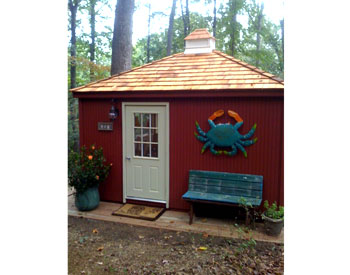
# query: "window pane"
(154, 122)
(137, 117)
(138, 149)
(154, 148)
(145, 135)
(137, 134)
(145, 120)
(154, 135)
(146, 152)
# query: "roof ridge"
(133, 69)
(255, 69)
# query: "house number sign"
(105, 126)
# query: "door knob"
(128, 158)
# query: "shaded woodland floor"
(99, 247)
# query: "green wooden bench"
(223, 189)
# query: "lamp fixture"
(113, 112)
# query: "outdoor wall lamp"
(113, 112)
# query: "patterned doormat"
(139, 212)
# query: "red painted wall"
(264, 158)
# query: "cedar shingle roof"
(199, 34)
(212, 71)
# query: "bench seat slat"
(226, 183)
(193, 195)
(225, 190)
(224, 175)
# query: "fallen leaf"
(83, 239)
(171, 221)
(205, 235)
(202, 248)
(95, 231)
(100, 263)
(100, 248)
(141, 237)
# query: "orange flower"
(93, 147)
(97, 177)
(90, 157)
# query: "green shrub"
(272, 212)
(87, 168)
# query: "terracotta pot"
(273, 227)
(87, 200)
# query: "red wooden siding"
(264, 158)
(91, 112)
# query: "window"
(146, 135)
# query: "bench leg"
(191, 213)
(247, 217)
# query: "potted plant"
(86, 170)
(273, 218)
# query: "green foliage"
(248, 243)
(157, 49)
(272, 212)
(73, 124)
(228, 33)
(269, 57)
(87, 168)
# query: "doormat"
(139, 212)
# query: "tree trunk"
(73, 108)
(122, 36)
(93, 35)
(282, 29)
(188, 18)
(258, 34)
(183, 19)
(73, 7)
(149, 31)
(170, 29)
(234, 23)
(214, 22)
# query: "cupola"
(199, 41)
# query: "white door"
(145, 153)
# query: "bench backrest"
(226, 183)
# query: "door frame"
(167, 137)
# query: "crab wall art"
(225, 135)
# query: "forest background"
(241, 27)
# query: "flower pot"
(87, 200)
(273, 227)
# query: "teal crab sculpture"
(225, 135)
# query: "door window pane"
(145, 120)
(145, 135)
(137, 136)
(137, 119)
(154, 120)
(154, 135)
(138, 150)
(146, 152)
(154, 150)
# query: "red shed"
(151, 142)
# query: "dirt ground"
(98, 247)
